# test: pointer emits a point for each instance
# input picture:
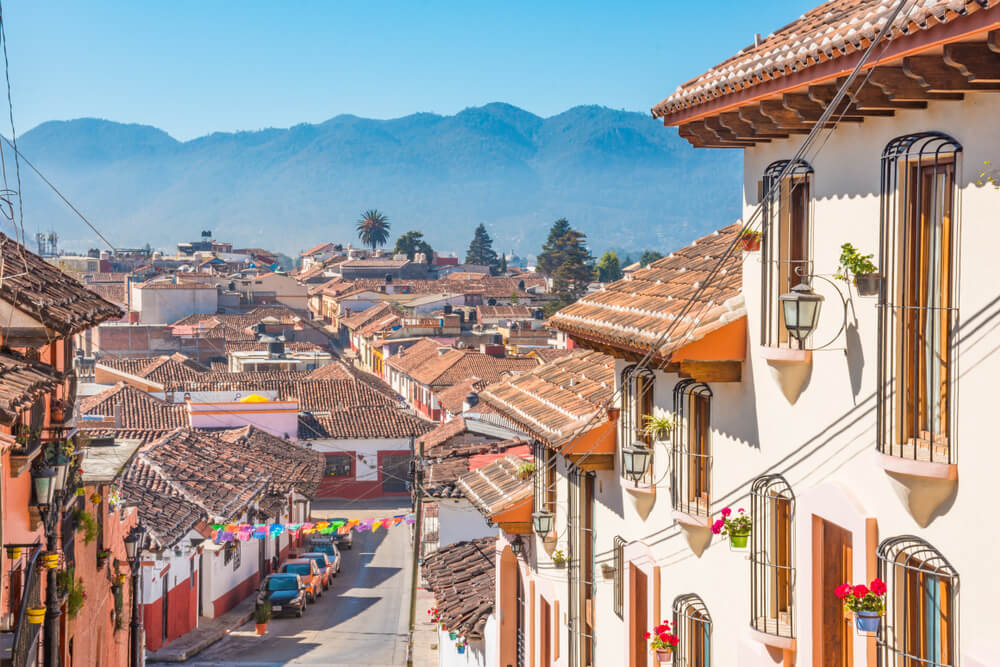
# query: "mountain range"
(621, 177)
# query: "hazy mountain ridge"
(620, 176)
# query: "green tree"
(502, 266)
(574, 266)
(551, 258)
(373, 228)
(649, 256)
(609, 269)
(411, 243)
(481, 250)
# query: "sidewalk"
(425, 637)
(206, 634)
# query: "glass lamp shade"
(43, 479)
(801, 308)
(544, 522)
(635, 460)
(131, 544)
(517, 546)
(60, 466)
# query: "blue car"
(285, 592)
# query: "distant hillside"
(622, 177)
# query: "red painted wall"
(236, 594)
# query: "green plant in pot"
(86, 522)
(261, 615)
(559, 558)
(867, 603)
(737, 527)
(751, 240)
(526, 469)
(866, 279)
(658, 426)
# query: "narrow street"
(361, 620)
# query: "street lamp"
(517, 546)
(544, 522)
(44, 480)
(134, 542)
(49, 482)
(801, 308)
(635, 460)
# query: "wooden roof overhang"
(942, 63)
(717, 356)
(595, 448)
(515, 519)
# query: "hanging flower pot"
(750, 240)
(736, 528)
(867, 603)
(461, 648)
(36, 615)
(663, 642)
(13, 553)
(452, 635)
(50, 560)
(461, 645)
(868, 284)
(95, 498)
(559, 558)
(665, 656)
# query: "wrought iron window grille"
(786, 242)
(772, 556)
(637, 402)
(619, 581)
(691, 448)
(920, 625)
(693, 627)
(918, 302)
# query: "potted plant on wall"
(867, 280)
(750, 240)
(526, 469)
(736, 527)
(658, 427)
(663, 642)
(261, 615)
(559, 558)
(867, 603)
(102, 557)
(460, 645)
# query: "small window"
(619, 565)
(920, 626)
(339, 465)
(637, 402)
(237, 553)
(919, 305)
(693, 627)
(786, 244)
(691, 449)
(772, 571)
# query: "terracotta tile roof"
(633, 313)
(283, 314)
(466, 275)
(360, 319)
(293, 467)
(315, 250)
(130, 365)
(504, 312)
(160, 283)
(257, 346)
(409, 359)
(455, 450)
(59, 302)
(452, 398)
(164, 369)
(832, 30)
(380, 324)
(545, 355)
(104, 277)
(555, 400)
(360, 422)
(113, 292)
(335, 371)
(436, 365)
(22, 382)
(375, 262)
(143, 435)
(462, 577)
(497, 486)
(138, 410)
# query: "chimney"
(756, 40)
(117, 415)
(471, 401)
(443, 351)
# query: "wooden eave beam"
(870, 96)
(742, 128)
(898, 86)
(938, 77)
(725, 134)
(782, 116)
(824, 94)
(700, 135)
(764, 124)
(810, 110)
(976, 60)
(712, 371)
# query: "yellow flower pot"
(36, 615)
(13, 552)
(50, 561)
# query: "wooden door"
(639, 622)
(832, 627)
(545, 639)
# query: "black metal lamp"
(635, 460)
(801, 308)
(517, 546)
(43, 478)
(61, 467)
(544, 522)
(131, 544)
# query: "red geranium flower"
(647, 636)
(842, 591)
(860, 591)
(878, 586)
(726, 512)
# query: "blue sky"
(194, 67)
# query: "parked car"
(345, 541)
(285, 592)
(329, 566)
(308, 570)
(326, 546)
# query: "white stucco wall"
(166, 306)
(366, 461)
(459, 521)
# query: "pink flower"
(660, 629)
(717, 526)
(842, 591)
(878, 586)
(725, 512)
(860, 591)
(740, 510)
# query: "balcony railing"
(22, 649)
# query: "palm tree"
(373, 228)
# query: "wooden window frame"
(691, 449)
(772, 556)
(691, 623)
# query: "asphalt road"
(361, 620)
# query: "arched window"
(920, 624)
(637, 402)
(786, 245)
(693, 627)
(691, 450)
(919, 299)
(772, 557)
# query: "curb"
(201, 645)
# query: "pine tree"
(649, 256)
(481, 250)
(609, 269)
(411, 243)
(573, 266)
(551, 258)
(502, 267)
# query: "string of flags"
(230, 532)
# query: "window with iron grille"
(772, 557)
(786, 244)
(544, 478)
(619, 564)
(339, 465)
(693, 627)
(237, 552)
(920, 626)
(691, 451)
(637, 402)
(919, 299)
